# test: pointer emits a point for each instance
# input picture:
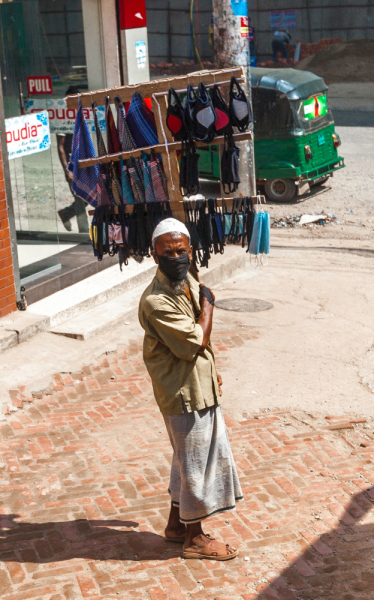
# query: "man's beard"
(178, 287)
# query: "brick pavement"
(83, 501)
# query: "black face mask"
(174, 268)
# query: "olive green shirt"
(171, 347)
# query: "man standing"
(252, 39)
(176, 315)
(78, 207)
(279, 44)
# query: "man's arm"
(206, 319)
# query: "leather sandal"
(212, 552)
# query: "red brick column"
(7, 287)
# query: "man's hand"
(68, 176)
(219, 379)
(206, 294)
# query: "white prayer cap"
(169, 226)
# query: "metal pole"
(231, 49)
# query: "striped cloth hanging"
(148, 187)
(124, 133)
(84, 182)
(141, 122)
(127, 195)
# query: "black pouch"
(156, 212)
(174, 116)
(250, 218)
(222, 124)
(189, 170)
(240, 109)
(204, 116)
(205, 231)
(190, 222)
(188, 111)
(230, 166)
(217, 226)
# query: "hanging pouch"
(183, 172)
(217, 231)
(205, 231)
(240, 110)
(148, 187)
(204, 116)
(157, 177)
(115, 233)
(227, 223)
(193, 170)
(222, 124)
(174, 116)
(230, 166)
(127, 195)
(188, 112)
(265, 234)
(190, 222)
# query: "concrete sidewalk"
(92, 317)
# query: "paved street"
(83, 497)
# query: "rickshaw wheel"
(280, 190)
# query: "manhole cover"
(244, 304)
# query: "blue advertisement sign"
(239, 8)
(282, 19)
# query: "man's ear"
(190, 252)
(155, 257)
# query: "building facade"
(311, 21)
(63, 46)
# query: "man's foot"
(204, 546)
(176, 534)
(66, 222)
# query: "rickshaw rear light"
(308, 152)
(336, 140)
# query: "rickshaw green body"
(281, 130)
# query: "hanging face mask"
(174, 268)
(239, 108)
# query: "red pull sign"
(132, 14)
(39, 85)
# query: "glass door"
(40, 38)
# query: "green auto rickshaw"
(294, 132)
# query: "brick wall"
(7, 287)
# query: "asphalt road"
(350, 189)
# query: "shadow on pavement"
(89, 539)
(338, 565)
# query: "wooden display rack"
(157, 90)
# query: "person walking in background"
(252, 38)
(78, 207)
(279, 44)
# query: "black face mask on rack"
(174, 268)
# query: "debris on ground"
(339, 63)
(309, 221)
